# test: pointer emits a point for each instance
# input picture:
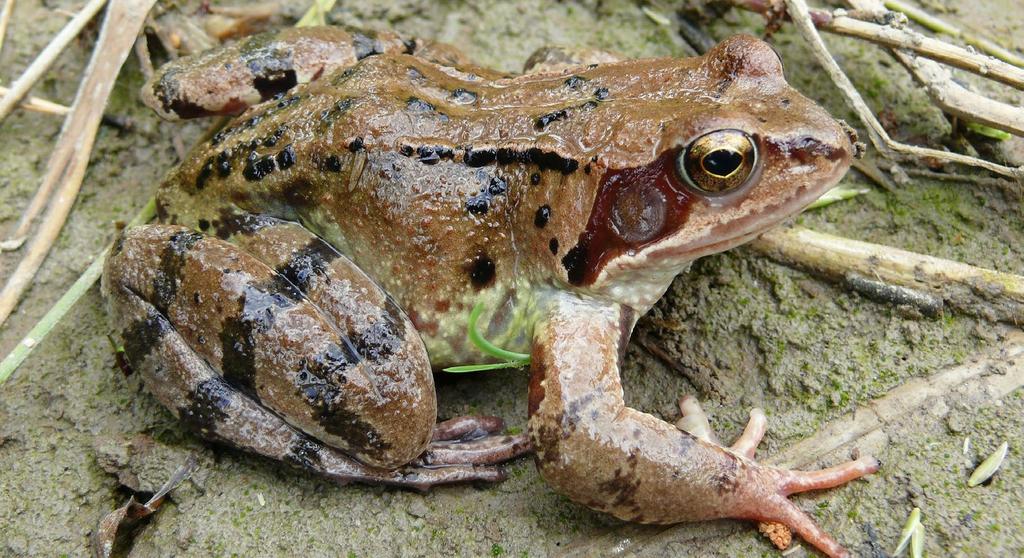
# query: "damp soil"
(76, 434)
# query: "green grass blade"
(464, 368)
(486, 346)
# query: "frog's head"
(737, 150)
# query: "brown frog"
(321, 254)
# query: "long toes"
(483, 451)
(785, 512)
(694, 420)
(747, 443)
(802, 481)
(467, 428)
(423, 478)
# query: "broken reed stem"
(940, 51)
(5, 19)
(42, 63)
(935, 24)
(798, 12)
(35, 104)
(67, 165)
(982, 292)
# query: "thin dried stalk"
(974, 290)
(798, 11)
(941, 51)
(935, 24)
(121, 25)
(35, 104)
(5, 18)
(42, 63)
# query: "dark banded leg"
(209, 405)
(350, 372)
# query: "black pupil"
(722, 162)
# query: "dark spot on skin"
(142, 336)
(364, 46)
(172, 262)
(414, 74)
(356, 145)
(575, 82)
(204, 174)
(601, 93)
(540, 219)
(464, 96)
(432, 154)
(726, 478)
(409, 45)
(574, 263)
(377, 342)
(224, 164)
(478, 204)
(586, 169)
(204, 225)
(286, 157)
(481, 271)
(589, 105)
(479, 157)
(406, 150)
(419, 105)
(330, 163)
(622, 487)
(805, 149)
(272, 139)
(553, 161)
(497, 186)
(553, 246)
(241, 223)
(207, 407)
(543, 121)
(275, 83)
(308, 262)
(329, 115)
(305, 453)
(592, 66)
(239, 333)
(257, 168)
(288, 101)
(535, 178)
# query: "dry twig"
(35, 104)
(798, 11)
(5, 18)
(67, 164)
(42, 63)
(978, 291)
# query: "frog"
(318, 257)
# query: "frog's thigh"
(336, 362)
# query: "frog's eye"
(718, 162)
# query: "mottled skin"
(323, 250)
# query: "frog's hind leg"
(244, 357)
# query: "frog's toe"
(747, 443)
(694, 419)
(487, 450)
(467, 428)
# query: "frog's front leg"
(278, 345)
(612, 458)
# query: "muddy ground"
(738, 330)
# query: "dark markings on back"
(172, 260)
(224, 163)
(601, 93)
(286, 157)
(540, 219)
(416, 104)
(141, 336)
(464, 96)
(543, 121)
(553, 246)
(241, 223)
(575, 82)
(260, 305)
(204, 174)
(379, 341)
(207, 406)
(545, 160)
(307, 263)
(575, 261)
(257, 168)
(481, 271)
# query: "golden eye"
(718, 162)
